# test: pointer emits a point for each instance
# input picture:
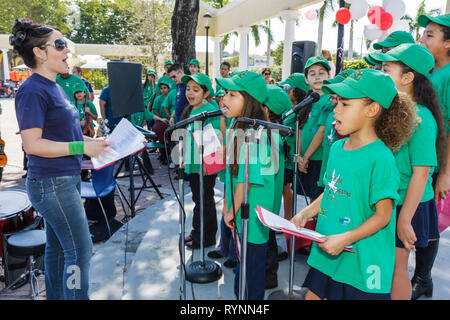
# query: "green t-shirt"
(329, 137)
(69, 84)
(192, 153)
(420, 150)
(138, 118)
(355, 180)
(262, 177)
(441, 82)
(290, 122)
(169, 101)
(157, 107)
(317, 117)
(147, 92)
(80, 107)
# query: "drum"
(16, 213)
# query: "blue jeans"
(69, 246)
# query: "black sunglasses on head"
(59, 44)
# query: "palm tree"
(323, 11)
(413, 24)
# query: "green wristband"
(76, 147)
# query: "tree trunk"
(184, 27)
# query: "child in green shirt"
(247, 91)
(361, 183)
(198, 88)
(409, 66)
(312, 128)
(148, 88)
(86, 110)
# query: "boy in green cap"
(194, 66)
(312, 126)
(361, 181)
(436, 38)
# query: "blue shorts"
(326, 288)
(424, 223)
(307, 182)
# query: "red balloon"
(374, 14)
(385, 22)
(343, 16)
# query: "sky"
(307, 30)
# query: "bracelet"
(76, 147)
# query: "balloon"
(358, 9)
(311, 14)
(374, 14)
(396, 8)
(343, 16)
(399, 25)
(385, 22)
(371, 32)
(348, 1)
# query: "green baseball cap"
(363, 83)
(370, 61)
(315, 60)
(201, 79)
(415, 56)
(151, 72)
(167, 62)
(220, 93)
(340, 77)
(424, 20)
(394, 39)
(78, 87)
(165, 81)
(195, 62)
(277, 99)
(296, 80)
(251, 82)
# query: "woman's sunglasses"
(59, 44)
(267, 74)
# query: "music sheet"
(124, 141)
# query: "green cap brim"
(343, 90)
(384, 44)
(424, 20)
(380, 57)
(229, 84)
(370, 61)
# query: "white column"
(243, 48)
(5, 64)
(216, 59)
(290, 17)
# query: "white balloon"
(371, 32)
(358, 9)
(348, 1)
(399, 25)
(396, 8)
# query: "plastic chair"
(101, 184)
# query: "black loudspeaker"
(301, 52)
(125, 83)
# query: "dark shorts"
(307, 183)
(288, 176)
(326, 288)
(424, 223)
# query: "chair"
(101, 184)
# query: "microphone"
(286, 87)
(201, 116)
(283, 130)
(313, 97)
(149, 135)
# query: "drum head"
(12, 202)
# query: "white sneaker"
(172, 165)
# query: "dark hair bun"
(20, 31)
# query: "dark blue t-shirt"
(180, 101)
(42, 103)
(106, 96)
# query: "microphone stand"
(182, 220)
(292, 294)
(202, 271)
(245, 211)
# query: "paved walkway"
(141, 260)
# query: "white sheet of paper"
(124, 140)
(211, 142)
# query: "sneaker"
(214, 255)
(230, 263)
(172, 165)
